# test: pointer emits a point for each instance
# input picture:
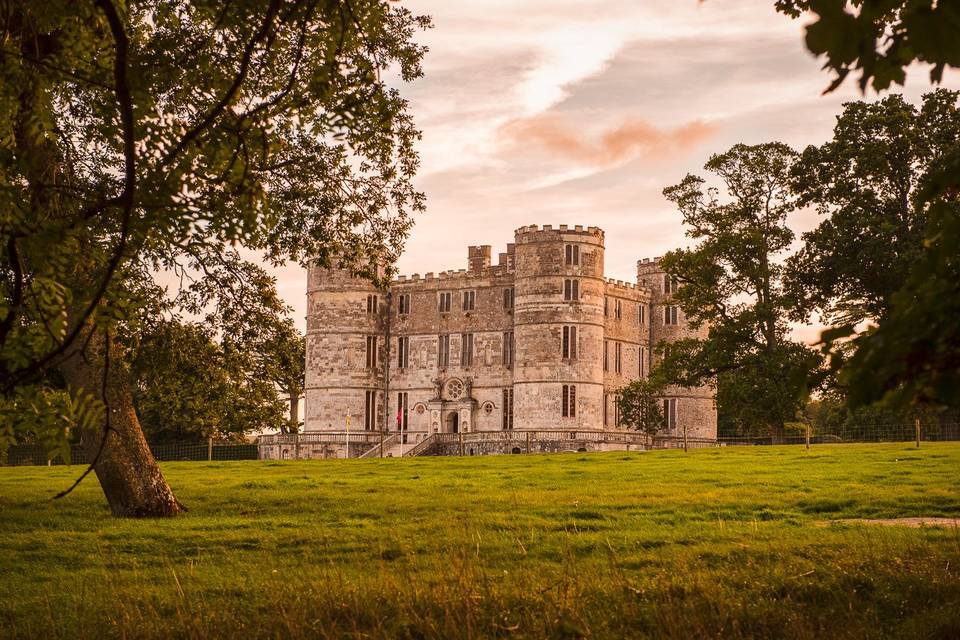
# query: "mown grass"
(716, 543)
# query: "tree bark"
(129, 476)
(294, 412)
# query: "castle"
(539, 341)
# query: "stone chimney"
(478, 258)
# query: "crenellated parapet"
(550, 233)
(625, 289)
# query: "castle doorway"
(453, 422)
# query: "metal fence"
(30, 454)
(917, 432)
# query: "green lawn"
(724, 543)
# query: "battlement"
(454, 276)
(648, 267)
(547, 232)
(624, 287)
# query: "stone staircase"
(374, 452)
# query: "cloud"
(633, 137)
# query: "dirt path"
(898, 522)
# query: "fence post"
(460, 438)
(917, 424)
(528, 442)
(296, 446)
(685, 437)
(209, 449)
(808, 436)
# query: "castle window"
(403, 352)
(443, 351)
(671, 315)
(568, 345)
(640, 313)
(571, 289)
(508, 349)
(618, 360)
(507, 409)
(606, 403)
(665, 350)
(371, 352)
(370, 410)
(616, 412)
(670, 285)
(508, 298)
(372, 303)
(466, 350)
(606, 356)
(403, 304)
(444, 304)
(572, 255)
(670, 412)
(617, 309)
(641, 356)
(469, 300)
(568, 401)
(401, 418)
(606, 306)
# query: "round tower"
(558, 328)
(345, 352)
(692, 408)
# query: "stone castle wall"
(524, 295)
(696, 407)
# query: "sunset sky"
(564, 112)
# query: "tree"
(912, 356)
(152, 136)
(286, 368)
(732, 282)
(639, 405)
(865, 181)
(187, 387)
(869, 259)
(880, 37)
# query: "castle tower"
(558, 324)
(693, 408)
(345, 352)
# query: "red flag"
(399, 417)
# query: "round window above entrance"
(454, 390)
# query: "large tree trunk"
(130, 477)
(294, 412)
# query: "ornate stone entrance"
(451, 409)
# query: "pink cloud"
(632, 138)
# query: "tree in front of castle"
(639, 404)
(142, 137)
(732, 281)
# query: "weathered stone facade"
(540, 340)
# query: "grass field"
(727, 543)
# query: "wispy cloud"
(568, 111)
(631, 138)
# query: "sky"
(564, 112)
